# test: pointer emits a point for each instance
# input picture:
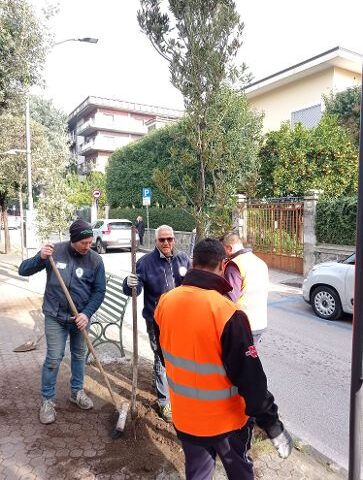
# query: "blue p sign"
(146, 196)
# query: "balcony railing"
(103, 143)
(120, 124)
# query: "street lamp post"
(84, 39)
(28, 156)
(30, 237)
(30, 234)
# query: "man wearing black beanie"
(83, 272)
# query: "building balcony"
(120, 124)
(103, 143)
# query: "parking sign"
(146, 196)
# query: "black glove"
(283, 444)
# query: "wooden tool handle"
(84, 332)
(134, 327)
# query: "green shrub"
(336, 221)
(177, 218)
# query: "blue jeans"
(56, 333)
(160, 380)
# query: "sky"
(124, 65)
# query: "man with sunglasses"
(158, 272)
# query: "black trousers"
(232, 450)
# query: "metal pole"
(28, 156)
(147, 224)
(355, 424)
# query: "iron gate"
(275, 230)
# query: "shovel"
(124, 408)
(29, 345)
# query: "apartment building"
(99, 126)
(296, 93)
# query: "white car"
(112, 233)
(329, 288)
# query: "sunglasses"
(166, 239)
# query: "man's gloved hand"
(283, 444)
(132, 280)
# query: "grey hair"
(163, 227)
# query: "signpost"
(94, 210)
(146, 201)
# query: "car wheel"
(326, 303)
(100, 247)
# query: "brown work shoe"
(165, 412)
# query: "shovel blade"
(26, 347)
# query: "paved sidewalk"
(78, 445)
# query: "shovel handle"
(84, 332)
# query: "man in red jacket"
(215, 376)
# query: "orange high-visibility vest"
(254, 289)
(203, 400)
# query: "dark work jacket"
(240, 360)
(157, 275)
(140, 227)
(84, 276)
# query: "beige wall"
(280, 102)
(344, 79)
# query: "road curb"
(303, 446)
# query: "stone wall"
(324, 252)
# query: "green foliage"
(54, 212)
(177, 218)
(296, 159)
(80, 190)
(44, 112)
(23, 39)
(166, 161)
(336, 220)
(50, 159)
(130, 169)
(200, 40)
(346, 106)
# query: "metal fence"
(275, 230)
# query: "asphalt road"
(307, 361)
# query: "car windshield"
(120, 225)
(350, 260)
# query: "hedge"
(336, 221)
(177, 218)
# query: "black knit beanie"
(80, 230)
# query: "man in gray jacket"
(84, 274)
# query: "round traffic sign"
(96, 194)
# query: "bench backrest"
(115, 302)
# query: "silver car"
(329, 288)
(111, 234)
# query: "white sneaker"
(47, 412)
(81, 399)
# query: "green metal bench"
(110, 315)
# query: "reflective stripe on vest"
(190, 365)
(199, 394)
